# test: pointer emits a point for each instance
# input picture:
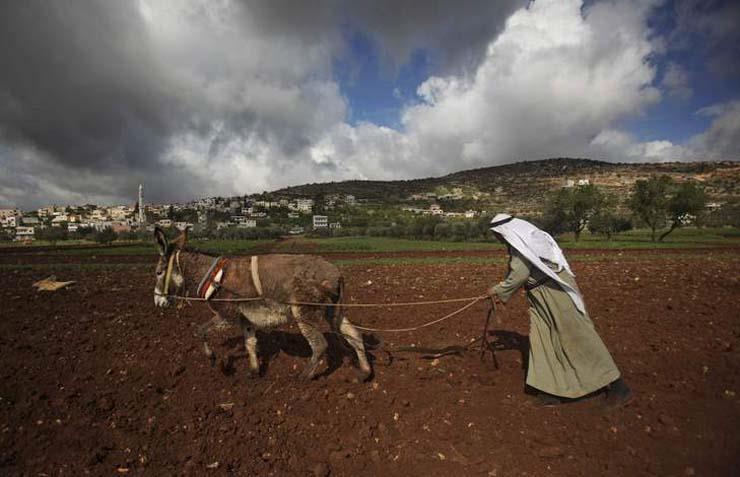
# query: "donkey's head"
(169, 271)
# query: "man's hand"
(494, 296)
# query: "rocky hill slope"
(523, 187)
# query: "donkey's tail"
(337, 312)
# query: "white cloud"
(554, 79)
(721, 140)
(619, 146)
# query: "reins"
(471, 301)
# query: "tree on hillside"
(607, 222)
(570, 209)
(52, 234)
(660, 203)
(687, 202)
(105, 236)
(649, 201)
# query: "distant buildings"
(320, 221)
(304, 205)
(24, 233)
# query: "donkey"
(276, 282)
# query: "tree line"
(659, 203)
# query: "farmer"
(567, 359)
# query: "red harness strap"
(212, 281)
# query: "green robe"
(566, 356)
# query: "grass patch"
(387, 244)
(572, 258)
(148, 248)
(688, 237)
(635, 239)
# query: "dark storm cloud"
(713, 27)
(79, 84)
(456, 32)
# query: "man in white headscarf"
(567, 359)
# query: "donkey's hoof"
(212, 360)
(253, 373)
(365, 375)
(309, 372)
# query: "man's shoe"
(618, 393)
(547, 400)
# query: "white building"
(247, 224)
(335, 225)
(10, 221)
(164, 223)
(4, 213)
(436, 209)
(183, 225)
(59, 219)
(320, 221)
(24, 233)
(304, 205)
(120, 212)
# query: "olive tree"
(570, 208)
(659, 202)
(687, 202)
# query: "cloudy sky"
(217, 97)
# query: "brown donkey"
(276, 279)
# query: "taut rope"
(472, 301)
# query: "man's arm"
(519, 269)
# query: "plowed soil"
(95, 380)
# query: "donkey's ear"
(180, 241)
(161, 241)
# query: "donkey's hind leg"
(315, 339)
(354, 338)
(250, 343)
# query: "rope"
(472, 300)
(343, 305)
(430, 323)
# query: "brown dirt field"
(95, 380)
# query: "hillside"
(522, 187)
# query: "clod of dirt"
(666, 420)
(320, 470)
(551, 452)
(106, 404)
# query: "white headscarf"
(537, 246)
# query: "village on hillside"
(454, 207)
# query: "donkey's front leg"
(203, 330)
(250, 343)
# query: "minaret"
(142, 217)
